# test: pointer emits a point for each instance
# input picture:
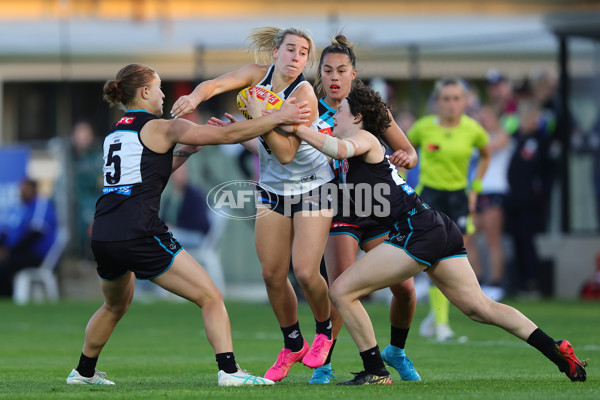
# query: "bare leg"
(186, 278)
(471, 246)
(340, 253)
(310, 236)
(456, 279)
(117, 298)
(404, 299)
(383, 266)
(493, 227)
(273, 239)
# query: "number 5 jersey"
(134, 179)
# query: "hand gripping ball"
(275, 101)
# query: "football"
(275, 101)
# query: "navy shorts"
(455, 204)
(427, 235)
(362, 229)
(319, 198)
(489, 200)
(147, 257)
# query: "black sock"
(373, 362)
(87, 366)
(324, 327)
(292, 338)
(226, 362)
(398, 337)
(328, 360)
(544, 343)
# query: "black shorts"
(455, 204)
(147, 257)
(319, 198)
(362, 229)
(428, 236)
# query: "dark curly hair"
(122, 90)
(365, 101)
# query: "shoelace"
(240, 370)
(280, 363)
(101, 374)
(325, 372)
(407, 361)
(319, 344)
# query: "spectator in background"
(27, 243)
(489, 214)
(544, 94)
(86, 162)
(501, 98)
(473, 100)
(184, 209)
(528, 193)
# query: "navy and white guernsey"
(134, 179)
(308, 170)
(375, 190)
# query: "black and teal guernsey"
(374, 190)
(134, 179)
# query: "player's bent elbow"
(285, 158)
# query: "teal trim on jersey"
(138, 110)
(407, 239)
(169, 266)
(327, 106)
(344, 233)
(409, 235)
(163, 246)
(327, 117)
(375, 237)
(445, 258)
(410, 255)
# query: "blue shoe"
(322, 374)
(395, 357)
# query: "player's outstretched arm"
(186, 132)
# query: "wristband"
(295, 128)
(477, 185)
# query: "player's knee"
(117, 309)
(405, 291)
(273, 276)
(478, 312)
(208, 297)
(304, 278)
(337, 294)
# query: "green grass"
(159, 351)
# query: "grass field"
(159, 351)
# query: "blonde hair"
(263, 40)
